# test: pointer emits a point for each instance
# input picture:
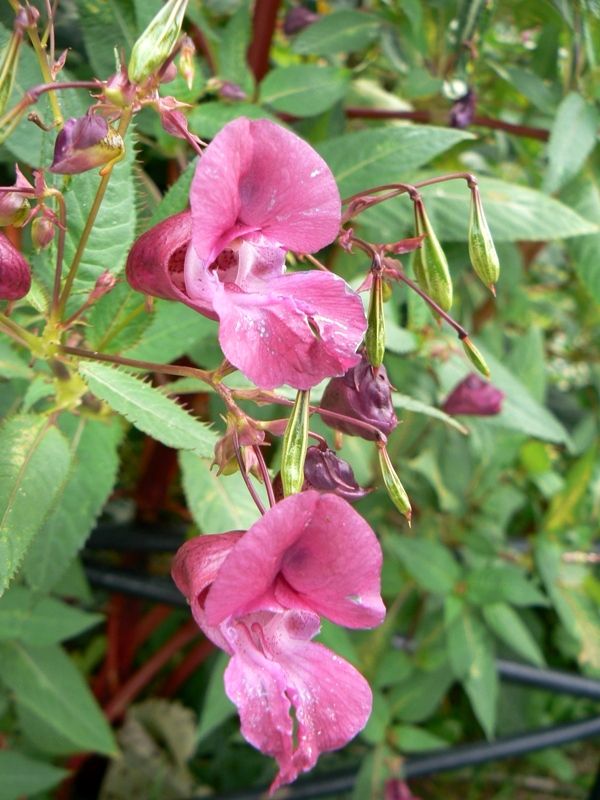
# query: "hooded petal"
(305, 327)
(155, 264)
(15, 272)
(256, 176)
(276, 668)
(310, 551)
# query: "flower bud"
(463, 110)
(104, 284)
(118, 90)
(85, 143)
(475, 357)
(187, 67)
(231, 91)
(295, 441)
(325, 471)
(364, 395)
(14, 206)
(431, 266)
(247, 435)
(474, 397)
(42, 232)
(482, 251)
(395, 490)
(375, 335)
(297, 19)
(15, 273)
(155, 44)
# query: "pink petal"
(304, 328)
(15, 272)
(155, 264)
(257, 176)
(275, 668)
(310, 551)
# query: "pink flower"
(15, 272)
(475, 397)
(259, 595)
(259, 191)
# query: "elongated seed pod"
(395, 490)
(295, 441)
(375, 335)
(431, 265)
(482, 251)
(475, 357)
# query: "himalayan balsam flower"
(15, 273)
(258, 191)
(85, 143)
(475, 397)
(259, 595)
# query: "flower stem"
(264, 471)
(43, 62)
(245, 476)
(91, 219)
(18, 333)
(60, 252)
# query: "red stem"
(192, 660)
(263, 25)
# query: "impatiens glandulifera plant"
(263, 205)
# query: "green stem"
(43, 62)
(19, 333)
(60, 252)
(89, 224)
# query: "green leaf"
(564, 504)
(148, 409)
(217, 707)
(463, 632)
(93, 472)
(583, 195)
(45, 680)
(177, 197)
(34, 463)
(233, 47)
(173, 329)
(11, 363)
(105, 26)
(430, 563)
(403, 401)
(344, 31)
(496, 583)
(572, 138)
(207, 119)
(411, 739)
(303, 90)
(217, 504)
(40, 621)
(383, 155)
(481, 684)
(114, 229)
(514, 213)
(117, 321)
(22, 775)
(417, 697)
(510, 628)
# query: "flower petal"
(310, 551)
(257, 176)
(15, 272)
(304, 328)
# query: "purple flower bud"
(15, 273)
(231, 91)
(85, 143)
(297, 19)
(474, 397)
(14, 205)
(463, 110)
(42, 232)
(325, 471)
(362, 394)
(105, 283)
(398, 790)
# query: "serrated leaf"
(22, 775)
(207, 119)
(11, 363)
(117, 321)
(217, 504)
(94, 465)
(46, 680)
(383, 155)
(40, 621)
(303, 90)
(344, 31)
(510, 628)
(430, 563)
(173, 329)
(233, 46)
(34, 463)
(572, 138)
(114, 228)
(148, 409)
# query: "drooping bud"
(297, 19)
(431, 266)
(187, 67)
(14, 206)
(295, 442)
(239, 431)
(85, 143)
(475, 357)
(482, 251)
(155, 44)
(463, 110)
(15, 273)
(325, 471)
(105, 282)
(231, 91)
(474, 397)
(119, 90)
(395, 490)
(42, 232)
(375, 335)
(361, 395)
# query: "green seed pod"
(295, 442)
(475, 357)
(431, 266)
(394, 487)
(482, 252)
(155, 44)
(375, 335)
